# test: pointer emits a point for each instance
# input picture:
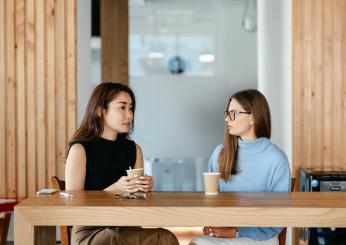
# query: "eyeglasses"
(231, 114)
(136, 195)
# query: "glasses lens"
(232, 115)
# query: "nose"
(129, 114)
(227, 118)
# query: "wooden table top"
(298, 209)
(195, 199)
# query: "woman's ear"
(99, 112)
(251, 120)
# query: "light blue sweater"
(262, 167)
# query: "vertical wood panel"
(50, 81)
(114, 17)
(60, 83)
(338, 25)
(319, 84)
(21, 97)
(30, 95)
(10, 100)
(2, 101)
(71, 68)
(328, 88)
(37, 108)
(40, 91)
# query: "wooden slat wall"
(319, 84)
(37, 92)
(114, 36)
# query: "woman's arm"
(146, 182)
(75, 169)
(139, 157)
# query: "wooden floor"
(185, 234)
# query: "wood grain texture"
(188, 209)
(38, 67)
(319, 82)
(114, 33)
(21, 98)
(11, 101)
(2, 99)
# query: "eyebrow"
(124, 103)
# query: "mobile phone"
(46, 191)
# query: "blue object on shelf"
(176, 65)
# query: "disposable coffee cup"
(133, 172)
(211, 183)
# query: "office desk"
(36, 218)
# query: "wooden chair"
(4, 223)
(282, 235)
(65, 231)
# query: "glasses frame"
(232, 114)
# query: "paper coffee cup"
(211, 183)
(137, 171)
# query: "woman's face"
(243, 124)
(118, 117)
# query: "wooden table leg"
(27, 233)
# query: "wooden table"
(36, 218)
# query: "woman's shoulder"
(276, 153)
(76, 148)
(217, 149)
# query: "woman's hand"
(224, 232)
(145, 183)
(125, 184)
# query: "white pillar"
(83, 54)
(275, 69)
(274, 66)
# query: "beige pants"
(96, 235)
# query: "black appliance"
(323, 181)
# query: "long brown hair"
(254, 102)
(92, 125)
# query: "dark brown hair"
(92, 124)
(254, 102)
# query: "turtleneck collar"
(253, 146)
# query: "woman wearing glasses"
(248, 162)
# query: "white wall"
(182, 116)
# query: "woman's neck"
(109, 134)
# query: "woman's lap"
(122, 235)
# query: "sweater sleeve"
(259, 233)
(280, 182)
(213, 165)
(281, 179)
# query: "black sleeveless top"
(107, 161)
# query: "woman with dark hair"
(99, 155)
(248, 162)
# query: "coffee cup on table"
(211, 183)
(135, 172)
